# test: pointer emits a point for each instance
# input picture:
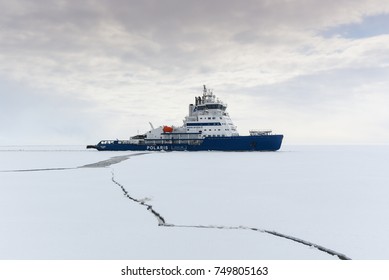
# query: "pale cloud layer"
(103, 69)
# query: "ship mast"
(208, 96)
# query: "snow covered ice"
(56, 203)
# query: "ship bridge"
(208, 117)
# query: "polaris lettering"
(157, 148)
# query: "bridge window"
(204, 124)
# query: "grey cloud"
(168, 22)
(176, 26)
(107, 52)
(321, 94)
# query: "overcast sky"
(76, 72)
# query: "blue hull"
(234, 143)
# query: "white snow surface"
(333, 196)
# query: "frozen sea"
(65, 202)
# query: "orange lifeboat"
(167, 129)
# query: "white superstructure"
(206, 118)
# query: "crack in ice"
(99, 164)
(110, 161)
(39, 169)
(161, 222)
